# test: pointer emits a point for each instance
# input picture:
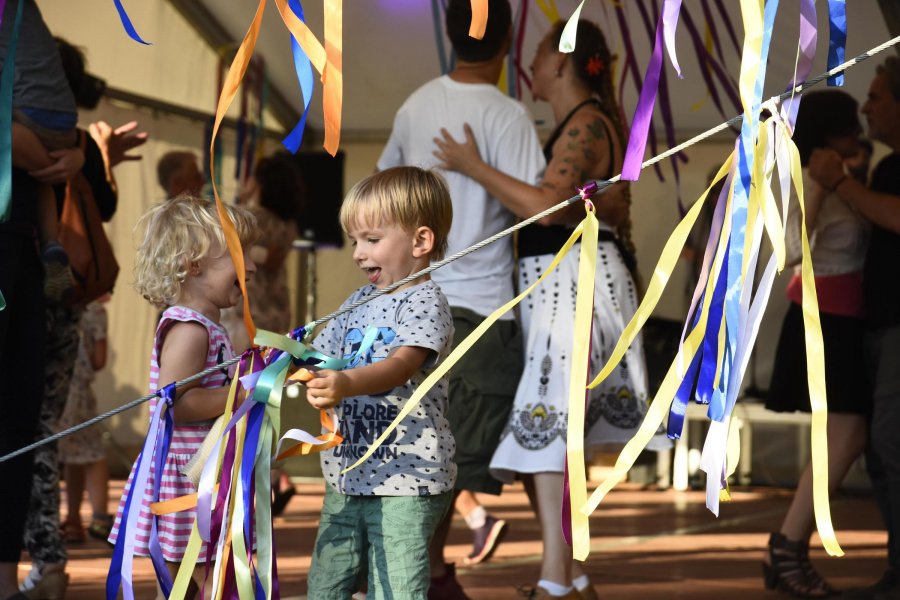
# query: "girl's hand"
(327, 388)
(464, 158)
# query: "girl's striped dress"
(175, 529)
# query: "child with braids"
(587, 143)
(183, 265)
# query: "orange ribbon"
(479, 19)
(327, 60)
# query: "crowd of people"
(462, 162)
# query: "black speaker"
(323, 175)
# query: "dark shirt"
(23, 217)
(881, 274)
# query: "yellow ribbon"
(548, 7)
(658, 281)
(192, 552)
(659, 407)
(581, 355)
(463, 347)
(815, 369)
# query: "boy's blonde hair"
(407, 196)
(177, 232)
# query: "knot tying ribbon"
(586, 192)
(167, 394)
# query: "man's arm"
(826, 167)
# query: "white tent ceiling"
(390, 49)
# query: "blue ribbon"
(740, 198)
(837, 40)
(157, 441)
(248, 462)
(6, 100)
(126, 23)
(304, 71)
(161, 451)
(682, 397)
(710, 347)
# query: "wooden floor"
(646, 544)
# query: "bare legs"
(95, 477)
(846, 440)
(466, 502)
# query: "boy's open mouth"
(372, 273)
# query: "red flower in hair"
(595, 65)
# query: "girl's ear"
(194, 268)
(423, 242)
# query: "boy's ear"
(423, 242)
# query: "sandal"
(790, 570)
(100, 527)
(72, 532)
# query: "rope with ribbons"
(233, 530)
(601, 185)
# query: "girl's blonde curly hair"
(176, 233)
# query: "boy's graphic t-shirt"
(417, 458)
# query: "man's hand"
(67, 162)
(826, 167)
(116, 143)
(327, 388)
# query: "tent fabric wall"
(180, 68)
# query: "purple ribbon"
(640, 124)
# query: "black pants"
(22, 347)
(42, 537)
(883, 457)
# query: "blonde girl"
(184, 267)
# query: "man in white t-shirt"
(483, 383)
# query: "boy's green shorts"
(384, 536)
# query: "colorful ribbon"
(126, 23)
(837, 40)
(303, 68)
(6, 99)
(155, 450)
(479, 18)
(640, 124)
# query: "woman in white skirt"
(587, 144)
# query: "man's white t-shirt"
(481, 281)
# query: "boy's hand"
(327, 388)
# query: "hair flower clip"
(594, 65)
